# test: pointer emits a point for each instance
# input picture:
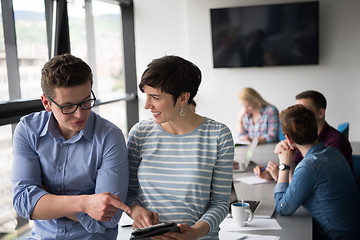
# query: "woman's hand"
(287, 157)
(186, 233)
(269, 173)
(142, 217)
(283, 146)
(262, 174)
(273, 169)
(285, 151)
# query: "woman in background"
(257, 118)
(180, 162)
(322, 182)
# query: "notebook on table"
(243, 158)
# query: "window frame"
(11, 111)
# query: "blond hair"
(250, 95)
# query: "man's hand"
(142, 217)
(100, 206)
(103, 206)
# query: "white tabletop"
(296, 227)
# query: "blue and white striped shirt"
(184, 178)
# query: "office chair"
(344, 129)
(356, 168)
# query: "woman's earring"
(182, 113)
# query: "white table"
(296, 227)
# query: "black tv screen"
(266, 35)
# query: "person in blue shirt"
(322, 182)
(70, 167)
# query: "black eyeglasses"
(71, 108)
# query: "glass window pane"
(30, 27)
(110, 61)
(77, 29)
(114, 112)
(4, 87)
(109, 50)
(109, 82)
(7, 214)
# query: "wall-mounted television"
(265, 35)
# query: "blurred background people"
(316, 103)
(257, 118)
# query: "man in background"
(315, 102)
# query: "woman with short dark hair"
(180, 162)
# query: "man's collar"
(87, 132)
(89, 129)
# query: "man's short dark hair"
(318, 99)
(64, 70)
(173, 75)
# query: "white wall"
(182, 27)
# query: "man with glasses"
(70, 167)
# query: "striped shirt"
(184, 178)
(267, 126)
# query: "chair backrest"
(356, 168)
(344, 129)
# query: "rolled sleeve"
(26, 174)
(25, 199)
(93, 226)
(112, 177)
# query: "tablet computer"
(154, 230)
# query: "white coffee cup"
(241, 213)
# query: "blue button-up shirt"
(324, 184)
(92, 161)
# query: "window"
(4, 88)
(109, 62)
(30, 27)
(7, 214)
(96, 37)
(77, 29)
(110, 77)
